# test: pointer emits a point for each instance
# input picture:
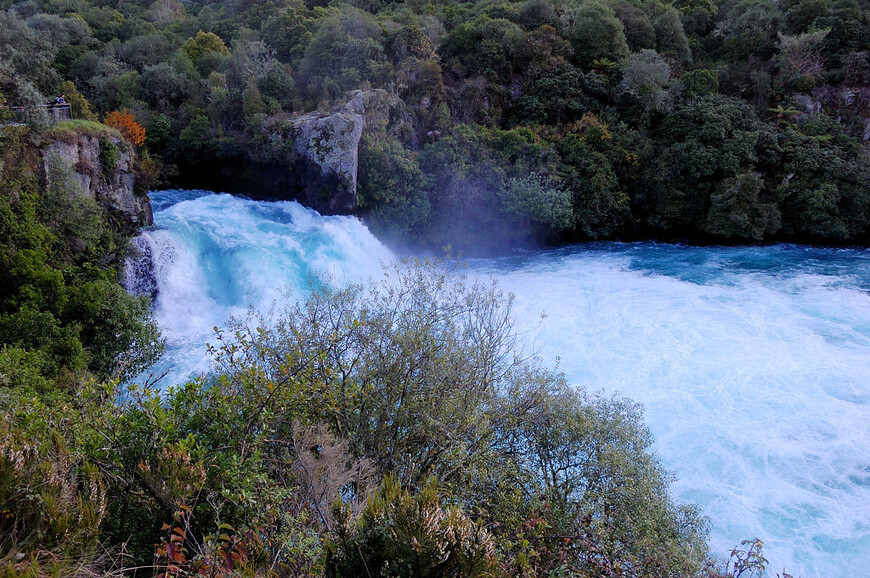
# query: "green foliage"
(424, 376)
(204, 43)
(597, 33)
(590, 454)
(823, 189)
(70, 129)
(345, 50)
(288, 33)
(671, 39)
(535, 198)
(600, 206)
(400, 534)
(81, 109)
(477, 180)
(163, 87)
(737, 212)
(391, 182)
(701, 82)
(110, 154)
(51, 501)
(61, 301)
(5, 112)
(714, 138)
(209, 80)
(749, 29)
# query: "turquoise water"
(754, 368)
(752, 363)
(215, 256)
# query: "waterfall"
(210, 257)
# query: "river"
(753, 363)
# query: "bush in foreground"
(400, 419)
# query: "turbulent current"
(753, 363)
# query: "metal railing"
(19, 114)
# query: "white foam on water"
(752, 364)
(216, 255)
(755, 385)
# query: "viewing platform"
(17, 115)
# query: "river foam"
(214, 256)
(752, 363)
(753, 366)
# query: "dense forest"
(554, 120)
(397, 429)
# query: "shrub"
(404, 534)
(425, 376)
(52, 502)
(126, 123)
(537, 199)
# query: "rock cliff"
(104, 165)
(311, 158)
(849, 104)
(325, 163)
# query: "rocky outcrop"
(311, 158)
(325, 148)
(849, 104)
(104, 166)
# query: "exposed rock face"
(311, 158)
(850, 104)
(113, 187)
(326, 155)
(326, 147)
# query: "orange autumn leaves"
(126, 123)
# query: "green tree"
(391, 185)
(345, 51)
(671, 39)
(737, 211)
(163, 87)
(540, 201)
(597, 33)
(600, 205)
(637, 27)
(602, 490)
(701, 82)
(748, 29)
(707, 140)
(821, 174)
(81, 109)
(204, 43)
(288, 33)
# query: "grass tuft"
(70, 129)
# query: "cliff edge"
(105, 166)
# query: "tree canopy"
(213, 77)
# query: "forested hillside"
(731, 121)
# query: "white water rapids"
(753, 363)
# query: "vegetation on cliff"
(63, 315)
(728, 120)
